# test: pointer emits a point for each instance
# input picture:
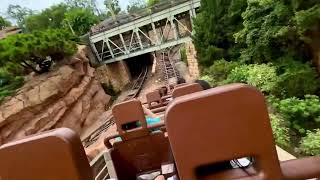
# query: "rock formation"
(69, 96)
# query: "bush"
(238, 75)
(183, 54)
(286, 79)
(220, 70)
(210, 80)
(302, 114)
(262, 76)
(280, 131)
(310, 145)
(296, 79)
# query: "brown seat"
(130, 112)
(53, 155)
(186, 89)
(140, 149)
(222, 124)
(154, 99)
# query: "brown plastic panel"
(151, 127)
(140, 155)
(128, 112)
(154, 97)
(305, 168)
(140, 150)
(186, 89)
(54, 155)
(221, 124)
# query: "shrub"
(220, 69)
(183, 54)
(209, 79)
(262, 76)
(310, 145)
(296, 79)
(238, 74)
(280, 131)
(300, 113)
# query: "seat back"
(227, 122)
(53, 155)
(140, 155)
(140, 149)
(186, 89)
(154, 97)
(130, 112)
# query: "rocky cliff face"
(69, 96)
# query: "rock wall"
(115, 74)
(69, 96)
(192, 60)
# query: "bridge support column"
(174, 27)
(114, 74)
(192, 60)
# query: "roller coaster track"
(134, 92)
(168, 68)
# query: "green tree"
(113, 7)
(86, 4)
(81, 20)
(136, 6)
(27, 50)
(51, 17)
(215, 26)
(152, 2)
(275, 29)
(4, 23)
(19, 14)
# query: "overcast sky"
(42, 4)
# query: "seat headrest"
(52, 155)
(129, 112)
(186, 89)
(218, 125)
(153, 97)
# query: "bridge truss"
(144, 34)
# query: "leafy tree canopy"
(113, 7)
(86, 4)
(136, 6)
(51, 17)
(152, 2)
(80, 20)
(215, 26)
(4, 23)
(255, 30)
(27, 50)
(19, 13)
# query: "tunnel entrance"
(136, 64)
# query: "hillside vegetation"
(268, 44)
